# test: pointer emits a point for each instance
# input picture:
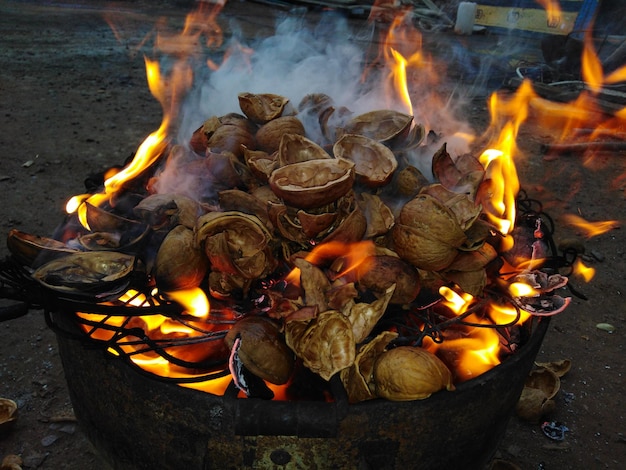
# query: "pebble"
(597, 255)
(67, 428)
(35, 459)
(49, 440)
(605, 327)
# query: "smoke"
(300, 59)
(296, 61)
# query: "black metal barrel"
(138, 422)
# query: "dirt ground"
(74, 100)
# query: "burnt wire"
(420, 323)
(127, 340)
(123, 337)
(17, 284)
(532, 208)
(424, 321)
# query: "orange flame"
(584, 112)
(353, 255)
(194, 301)
(402, 51)
(590, 229)
(586, 272)
(469, 351)
(521, 289)
(159, 327)
(506, 118)
(553, 11)
(456, 302)
(168, 90)
(153, 146)
(505, 314)
(592, 72)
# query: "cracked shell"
(313, 183)
(8, 414)
(263, 107)
(295, 148)
(374, 162)
(91, 271)
(270, 134)
(325, 344)
(263, 349)
(381, 125)
(236, 243)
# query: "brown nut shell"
(410, 373)
(381, 125)
(263, 107)
(263, 349)
(427, 233)
(325, 344)
(313, 183)
(374, 162)
(89, 271)
(8, 414)
(180, 264)
(545, 380)
(432, 219)
(236, 243)
(533, 404)
(269, 135)
(421, 251)
(230, 138)
(33, 250)
(383, 271)
(296, 148)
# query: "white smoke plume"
(297, 60)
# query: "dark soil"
(75, 101)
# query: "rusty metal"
(138, 422)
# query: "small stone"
(597, 255)
(49, 440)
(605, 327)
(68, 429)
(35, 459)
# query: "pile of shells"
(270, 195)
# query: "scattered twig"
(583, 146)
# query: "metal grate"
(115, 324)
